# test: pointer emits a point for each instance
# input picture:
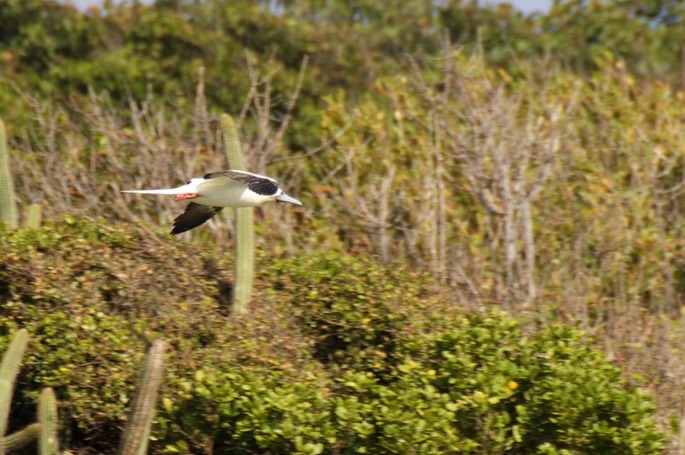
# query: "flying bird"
(216, 190)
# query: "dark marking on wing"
(261, 185)
(194, 215)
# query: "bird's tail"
(190, 187)
(160, 191)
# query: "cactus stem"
(137, 432)
(8, 202)
(244, 216)
(9, 368)
(47, 417)
(21, 438)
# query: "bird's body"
(214, 191)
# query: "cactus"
(244, 257)
(8, 374)
(21, 438)
(8, 202)
(47, 418)
(46, 430)
(32, 216)
(137, 432)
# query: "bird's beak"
(285, 198)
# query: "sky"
(527, 6)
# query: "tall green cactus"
(8, 202)
(8, 374)
(137, 432)
(47, 418)
(244, 255)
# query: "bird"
(216, 190)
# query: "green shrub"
(483, 387)
(92, 296)
(243, 413)
(354, 309)
(338, 356)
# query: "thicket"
(339, 356)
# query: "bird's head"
(280, 196)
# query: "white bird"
(217, 190)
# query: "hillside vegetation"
(338, 356)
(490, 256)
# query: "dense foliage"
(53, 49)
(352, 358)
(532, 163)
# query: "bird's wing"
(194, 215)
(260, 184)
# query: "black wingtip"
(178, 230)
(194, 216)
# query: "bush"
(339, 356)
(244, 413)
(92, 296)
(354, 310)
(484, 388)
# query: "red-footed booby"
(216, 190)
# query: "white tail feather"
(189, 188)
(161, 191)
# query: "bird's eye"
(188, 182)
